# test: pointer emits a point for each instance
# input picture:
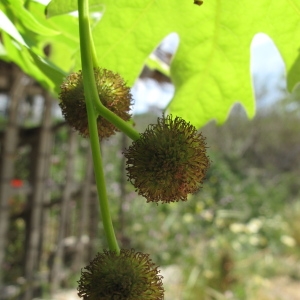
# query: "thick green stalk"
(93, 50)
(91, 93)
(106, 113)
(117, 121)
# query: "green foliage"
(212, 65)
(25, 37)
(211, 69)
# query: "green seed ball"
(113, 93)
(128, 276)
(168, 161)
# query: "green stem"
(106, 113)
(93, 50)
(116, 120)
(91, 93)
(103, 111)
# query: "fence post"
(36, 199)
(83, 218)
(56, 270)
(10, 143)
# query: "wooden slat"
(8, 157)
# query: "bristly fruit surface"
(128, 276)
(113, 93)
(168, 161)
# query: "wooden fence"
(48, 225)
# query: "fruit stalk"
(91, 93)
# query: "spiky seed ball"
(113, 93)
(128, 276)
(168, 161)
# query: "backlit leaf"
(211, 69)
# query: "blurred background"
(237, 238)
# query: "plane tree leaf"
(55, 8)
(47, 74)
(25, 38)
(64, 45)
(7, 26)
(211, 68)
(154, 63)
(26, 17)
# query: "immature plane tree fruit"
(168, 161)
(113, 93)
(128, 276)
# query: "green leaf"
(27, 19)
(294, 72)
(55, 8)
(7, 26)
(295, 95)
(48, 75)
(26, 48)
(211, 69)
(64, 45)
(154, 63)
(3, 53)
